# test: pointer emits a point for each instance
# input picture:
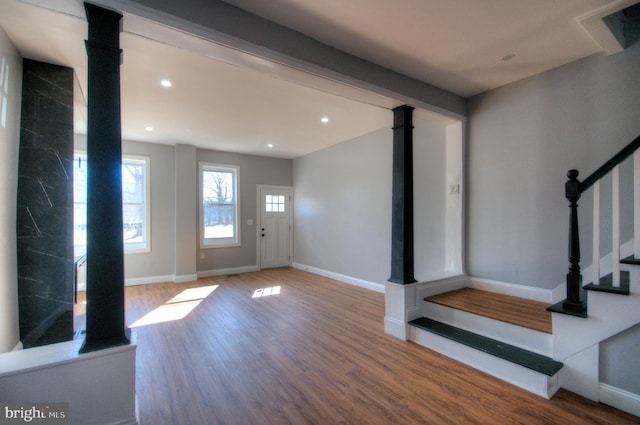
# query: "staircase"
(534, 345)
(505, 336)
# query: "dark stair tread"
(520, 356)
(606, 284)
(631, 260)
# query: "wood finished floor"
(316, 353)
(517, 311)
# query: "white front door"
(275, 226)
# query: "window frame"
(141, 247)
(236, 241)
(132, 247)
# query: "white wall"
(342, 211)
(175, 250)
(429, 195)
(186, 212)
(144, 267)
(619, 360)
(159, 260)
(254, 171)
(9, 147)
(523, 138)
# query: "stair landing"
(516, 311)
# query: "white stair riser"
(537, 383)
(608, 315)
(529, 339)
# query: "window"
(4, 91)
(135, 204)
(274, 203)
(219, 208)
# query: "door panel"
(275, 227)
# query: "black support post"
(105, 257)
(402, 197)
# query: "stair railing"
(575, 303)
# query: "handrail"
(610, 164)
(574, 303)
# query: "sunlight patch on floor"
(176, 308)
(265, 292)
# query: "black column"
(402, 197)
(105, 257)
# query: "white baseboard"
(146, 280)
(185, 278)
(149, 280)
(232, 270)
(521, 291)
(559, 293)
(620, 399)
(378, 287)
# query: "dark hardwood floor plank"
(316, 353)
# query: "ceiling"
(457, 45)
(241, 103)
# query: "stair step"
(505, 308)
(525, 358)
(606, 284)
(631, 260)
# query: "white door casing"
(274, 226)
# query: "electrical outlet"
(202, 255)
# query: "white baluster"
(615, 225)
(595, 268)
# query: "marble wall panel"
(45, 205)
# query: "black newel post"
(105, 256)
(574, 302)
(402, 197)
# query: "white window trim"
(147, 206)
(227, 242)
(147, 201)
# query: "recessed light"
(165, 83)
(324, 120)
(508, 57)
(270, 145)
(148, 128)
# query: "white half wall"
(99, 386)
